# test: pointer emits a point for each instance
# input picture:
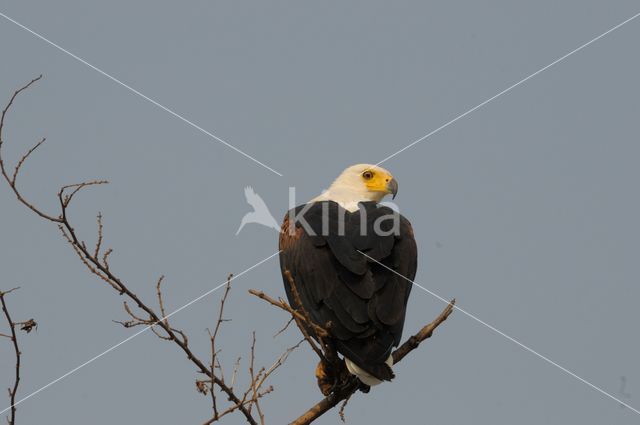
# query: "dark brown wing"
(364, 301)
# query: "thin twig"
(16, 170)
(414, 341)
(298, 317)
(285, 327)
(14, 339)
(99, 242)
(343, 407)
(214, 352)
(105, 258)
(11, 179)
(280, 303)
(160, 300)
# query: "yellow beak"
(392, 187)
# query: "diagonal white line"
(145, 97)
(480, 105)
(515, 341)
(124, 341)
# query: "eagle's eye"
(367, 175)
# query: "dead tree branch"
(256, 389)
(14, 339)
(342, 385)
(27, 327)
(11, 180)
(141, 313)
(414, 341)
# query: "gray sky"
(525, 210)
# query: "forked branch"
(344, 385)
(27, 327)
(140, 313)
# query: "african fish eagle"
(364, 302)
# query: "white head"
(360, 183)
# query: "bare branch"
(16, 170)
(160, 300)
(101, 268)
(65, 199)
(253, 387)
(285, 327)
(256, 390)
(345, 385)
(414, 341)
(105, 258)
(27, 327)
(279, 362)
(280, 303)
(344, 392)
(299, 319)
(99, 242)
(343, 407)
(227, 288)
(11, 180)
(214, 352)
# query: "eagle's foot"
(326, 378)
(363, 387)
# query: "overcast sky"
(525, 210)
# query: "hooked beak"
(392, 187)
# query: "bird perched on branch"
(337, 249)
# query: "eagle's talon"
(364, 387)
(326, 378)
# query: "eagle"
(353, 260)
